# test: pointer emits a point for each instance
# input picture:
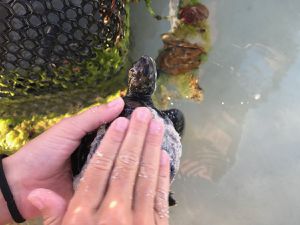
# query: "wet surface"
(241, 154)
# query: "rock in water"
(141, 85)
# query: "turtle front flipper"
(172, 200)
(79, 156)
(176, 116)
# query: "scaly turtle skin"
(141, 85)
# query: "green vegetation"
(97, 81)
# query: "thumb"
(51, 205)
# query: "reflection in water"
(243, 136)
(214, 156)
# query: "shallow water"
(245, 132)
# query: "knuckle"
(154, 141)
(143, 219)
(78, 214)
(94, 109)
(112, 221)
(116, 136)
(162, 195)
(148, 171)
(161, 207)
(129, 161)
(135, 132)
(117, 217)
(69, 123)
(102, 162)
(164, 176)
(65, 121)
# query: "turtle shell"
(142, 79)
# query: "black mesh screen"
(37, 36)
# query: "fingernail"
(115, 102)
(143, 114)
(164, 158)
(156, 126)
(121, 124)
(36, 201)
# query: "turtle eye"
(132, 70)
(146, 70)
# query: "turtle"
(142, 77)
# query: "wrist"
(14, 183)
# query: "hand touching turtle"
(45, 161)
(142, 79)
(123, 184)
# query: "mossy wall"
(98, 80)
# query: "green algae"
(75, 87)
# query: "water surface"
(246, 131)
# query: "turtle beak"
(153, 65)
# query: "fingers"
(77, 126)
(149, 167)
(162, 192)
(67, 134)
(94, 183)
(126, 166)
(51, 205)
(126, 170)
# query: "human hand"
(45, 161)
(126, 182)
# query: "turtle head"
(142, 77)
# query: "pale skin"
(126, 182)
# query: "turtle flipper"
(172, 200)
(176, 116)
(79, 156)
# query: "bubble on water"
(257, 96)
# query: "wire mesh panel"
(37, 37)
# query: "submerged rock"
(179, 56)
(193, 14)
